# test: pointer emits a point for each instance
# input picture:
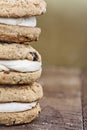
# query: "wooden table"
(64, 106)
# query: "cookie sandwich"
(19, 104)
(18, 21)
(19, 64)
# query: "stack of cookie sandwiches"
(20, 64)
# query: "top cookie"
(22, 8)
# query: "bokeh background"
(63, 41)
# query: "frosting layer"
(30, 21)
(16, 107)
(20, 65)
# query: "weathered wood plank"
(84, 98)
(61, 105)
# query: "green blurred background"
(63, 41)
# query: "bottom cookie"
(14, 118)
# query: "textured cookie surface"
(15, 51)
(19, 117)
(13, 77)
(21, 8)
(18, 34)
(20, 93)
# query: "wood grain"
(62, 103)
(84, 98)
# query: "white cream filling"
(20, 65)
(16, 107)
(30, 21)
